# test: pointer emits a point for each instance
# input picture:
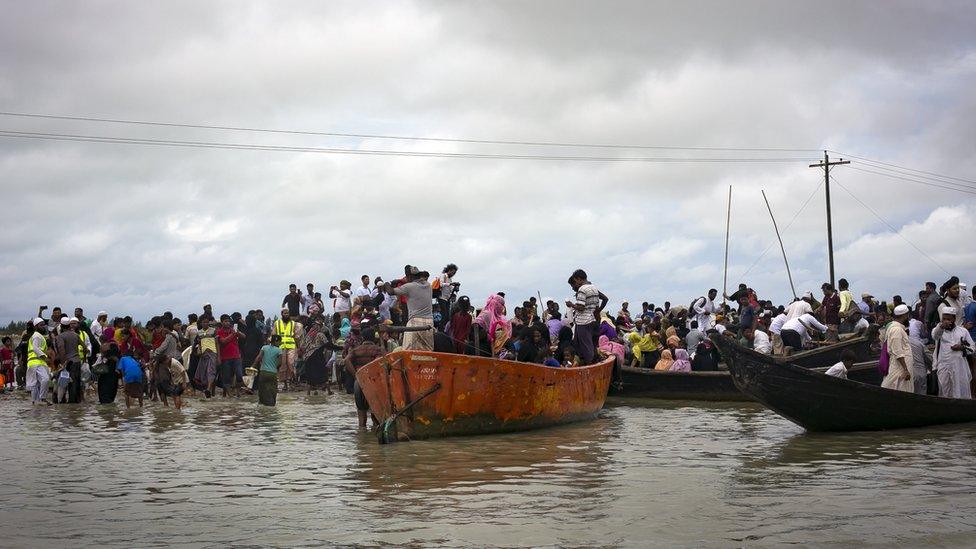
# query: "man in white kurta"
(38, 374)
(704, 308)
(899, 375)
(949, 361)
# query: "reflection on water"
(645, 473)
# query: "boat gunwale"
(794, 370)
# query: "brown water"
(645, 473)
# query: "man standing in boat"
(419, 296)
(951, 344)
(590, 302)
(704, 308)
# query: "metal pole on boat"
(782, 249)
(728, 221)
(826, 164)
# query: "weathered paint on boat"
(440, 394)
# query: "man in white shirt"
(308, 298)
(800, 307)
(101, 321)
(703, 308)
(775, 327)
(364, 294)
(949, 360)
(847, 359)
(342, 298)
(795, 332)
(760, 339)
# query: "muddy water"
(645, 473)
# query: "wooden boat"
(819, 402)
(647, 383)
(419, 394)
(711, 386)
(828, 355)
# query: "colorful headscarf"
(681, 361)
(493, 316)
(345, 327)
(613, 348)
(664, 364)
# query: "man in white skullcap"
(951, 344)
(101, 321)
(38, 374)
(899, 375)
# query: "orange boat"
(420, 394)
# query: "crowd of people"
(318, 341)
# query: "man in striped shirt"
(588, 305)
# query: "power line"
(917, 176)
(894, 230)
(396, 137)
(372, 152)
(788, 225)
(930, 184)
(872, 161)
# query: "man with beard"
(951, 342)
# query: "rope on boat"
(384, 434)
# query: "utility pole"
(826, 164)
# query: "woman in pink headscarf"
(682, 362)
(491, 319)
(612, 348)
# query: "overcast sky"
(141, 229)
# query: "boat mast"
(728, 223)
(826, 164)
(781, 247)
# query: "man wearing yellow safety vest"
(285, 327)
(38, 374)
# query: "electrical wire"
(396, 137)
(788, 225)
(920, 182)
(889, 225)
(872, 161)
(335, 150)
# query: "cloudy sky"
(138, 229)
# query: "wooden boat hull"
(418, 394)
(863, 348)
(645, 383)
(818, 402)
